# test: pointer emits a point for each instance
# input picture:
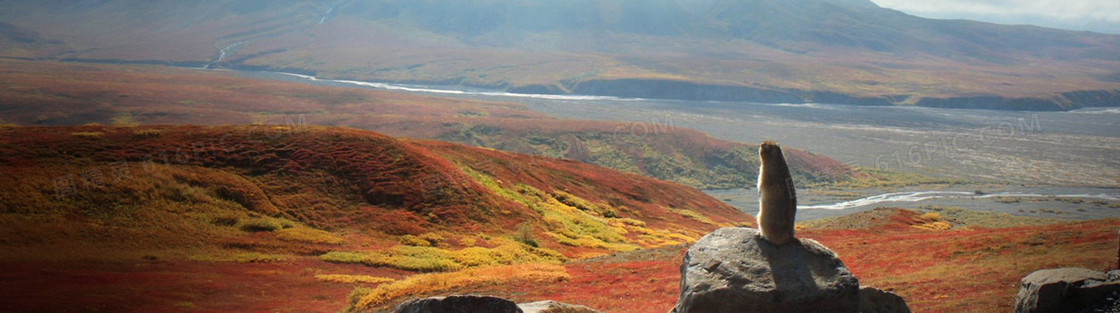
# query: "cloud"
(1060, 9)
(1078, 14)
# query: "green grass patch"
(309, 235)
(246, 257)
(260, 224)
(433, 259)
(353, 279)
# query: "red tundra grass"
(970, 270)
(180, 218)
(974, 270)
(176, 286)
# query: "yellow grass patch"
(353, 279)
(309, 235)
(433, 259)
(472, 278)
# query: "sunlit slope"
(212, 192)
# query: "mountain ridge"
(848, 52)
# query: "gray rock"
(549, 306)
(873, 300)
(735, 270)
(1065, 290)
(459, 304)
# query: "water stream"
(919, 196)
(855, 130)
(444, 91)
(225, 51)
(1075, 203)
(325, 16)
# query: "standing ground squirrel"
(776, 197)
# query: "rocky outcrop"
(735, 270)
(549, 306)
(1068, 290)
(459, 304)
(1094, 98)
(873, 300)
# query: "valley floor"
(1054, 203)
(948, 257)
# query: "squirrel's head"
(769, 149)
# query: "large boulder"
(1067, 290)
(549, 306)
(459, 304)
(873, 300)
(735, 270)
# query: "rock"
(549, 306)
(1066, 290)
(735, 270)
(458, 304)
(873, 300)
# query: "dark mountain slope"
(758, 50)
(793, 25)
(17, 41)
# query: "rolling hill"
(98, 199)
(330, 178)
(828, 51)
(316, 219)
(52, 93)
(263, 218)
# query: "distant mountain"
(840, 51)
(17, 41)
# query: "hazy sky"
(1095, 15)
